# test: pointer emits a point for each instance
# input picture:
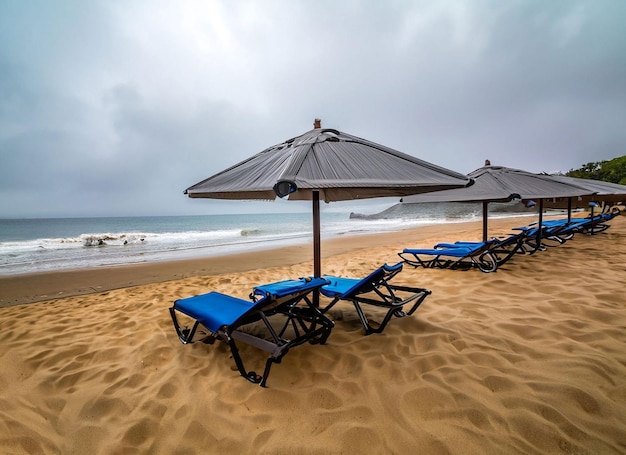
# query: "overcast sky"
(115, 107)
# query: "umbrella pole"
(540, 226)
(485, 214)
(317, 266)
(569, 210)
(317, 261)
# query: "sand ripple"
(531, 359)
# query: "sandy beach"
(529, 359)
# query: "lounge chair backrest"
(372, 281)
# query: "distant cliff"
(444, 210)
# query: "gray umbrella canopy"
(337, 165)
(502, 184)
(602, 191)
(329, 165)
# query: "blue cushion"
(214, 310)
(339, 286)
(459, 252)
(345, 287)
(286, 287)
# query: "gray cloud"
(115, 108)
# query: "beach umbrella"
(503, 184)
(602, 192)
(329, 165)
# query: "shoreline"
(21, 256)
(51, 285)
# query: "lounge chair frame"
(453, 256)
(273, 309)
(376, 290)
(504, 248)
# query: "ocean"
(37, 245)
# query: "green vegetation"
(613, 171)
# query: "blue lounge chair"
(596, 224)
(282, 314)
(561, 230)
(453, 256)
(557, 231)
(548, 235)
(502, 249)
(375, 290)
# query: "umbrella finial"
(317, 123)
(487, 163)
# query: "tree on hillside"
(613, 171)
